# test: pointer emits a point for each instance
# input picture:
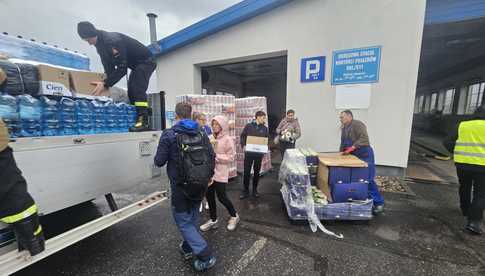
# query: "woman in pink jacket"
(225, 153)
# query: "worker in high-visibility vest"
(467, 143)
(17, 207)
(118, 53)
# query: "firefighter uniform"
(17, 207)
(118, 53)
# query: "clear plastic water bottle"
(30, 110)
(85, 116)
(99, 117)
(110, 111)
(50, 117)
(121, 117)
(10, 114)
(131, 113)
(67, 108)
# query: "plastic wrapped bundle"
(21, 78)
(30, 78)
(295, 178)
(10, 114)
(13, 85)
(30, 50)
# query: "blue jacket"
(207, 130)
(168, 154)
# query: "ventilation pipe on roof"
(156, 101)
(153, 26)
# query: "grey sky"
(54, 21)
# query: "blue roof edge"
(224, 19)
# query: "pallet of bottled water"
(28, 116)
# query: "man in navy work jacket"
(253, 160)
(184, 210)
(355, 141)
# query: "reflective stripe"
(474, 154)
(471, 145)
(39, 229)
(20, 216)
(141, 104)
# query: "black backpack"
(196, 164)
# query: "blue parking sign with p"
(313, 69)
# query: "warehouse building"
(317, 57)
(451, 80)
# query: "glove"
(349, 150)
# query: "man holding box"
(355, 141)
(253, 155)
(119, 52)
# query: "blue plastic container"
(85, 116)
(99, 117)
(68, 116)
(10, 114)
(30, 110)
(50, 123)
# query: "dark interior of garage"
(263, 77)
(451, 80)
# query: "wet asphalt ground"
(417, 235)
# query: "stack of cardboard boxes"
(59, 81)
(211, 106)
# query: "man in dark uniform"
(119, 52)
(17, 207)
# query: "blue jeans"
(187, 223)
(368, 156)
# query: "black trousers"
(472, 193)
(219, 188)
(284, 146)
(138, 83)
(14, 197)
(252, 160)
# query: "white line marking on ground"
(248, 256)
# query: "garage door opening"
(262, 77)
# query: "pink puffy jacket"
(225, 151)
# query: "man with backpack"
(190, 159)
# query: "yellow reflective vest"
(470, 146)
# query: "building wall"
(315, 27)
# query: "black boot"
(142, 120)
(29, 235)
(473, 227)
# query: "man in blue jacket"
(184, 210)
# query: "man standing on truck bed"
(17, 207)
(119, 52)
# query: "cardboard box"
(81, 83)
(54, 81)
(327, 160)
(257, 144)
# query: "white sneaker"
(206, 205)
(208, 225)
(232, 224)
